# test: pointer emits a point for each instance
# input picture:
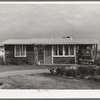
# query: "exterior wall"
(9, 55)
(64, 60)
(85, 53)
(9, 52)
(1, 51)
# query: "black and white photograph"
(50, 46)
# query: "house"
(50, 50)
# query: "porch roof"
(51, 41)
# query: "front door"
(48, 55)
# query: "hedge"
(78, 70)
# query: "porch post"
(75, 53)
(4, 54)
(96, 46)
(44, 53)
(52, 54)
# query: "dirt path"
(22, 72)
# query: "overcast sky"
(46, 20)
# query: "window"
(63, 50)
(20, 51)
(71, 50)
(66, 50)
(60, 50)
(55, 50)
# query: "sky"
(24, 21)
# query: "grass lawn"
(38, 77)
(46, 81)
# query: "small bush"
(52, 69)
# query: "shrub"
(4, 63)
(60, 70)
(78, 71)
(87, 70)
(98, 71)
(24, 62)
(67, 71)
(52, 69)
(72, 71)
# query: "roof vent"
(69, 37)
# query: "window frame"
(21, 49)
(63, 55)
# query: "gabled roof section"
(16, 41)
(51, 41)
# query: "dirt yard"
(30, 77)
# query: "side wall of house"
(9, 55)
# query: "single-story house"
(50, 50)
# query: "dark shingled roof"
(51, 41)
